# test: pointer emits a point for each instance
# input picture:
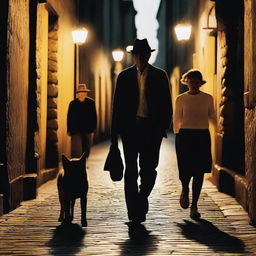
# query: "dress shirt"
(142, 108)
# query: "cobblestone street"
(33, 229)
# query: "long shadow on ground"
(67, 240)
(206, 233)
(140, 241)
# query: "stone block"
(52, 124)
(52, 65)
(53, 34)
(223, 72)
(52, 77)
(53, 45)
(52, 90)
(52, 103)
(52, 56)
(52, 113)
(52, 135)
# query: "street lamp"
(117, 55)
(79, 37)
(129, 48)
(183, 31)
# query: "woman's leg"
(184, 196)
(196, 190)
(185, 185)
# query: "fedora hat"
(141, 46)
(192, 73)
(82, 88)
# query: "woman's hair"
(192, 73)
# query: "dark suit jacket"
(82, 116)
(126, 99)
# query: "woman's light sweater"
(193, 111)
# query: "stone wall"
(55, 82)
(230, 36)
(52, 95)
(17, 95)
(229, 171)
(250, 105)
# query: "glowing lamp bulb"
(117, 55)
(183, 31)
(129, 48)
(79, 35)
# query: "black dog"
(72, 183)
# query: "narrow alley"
(33, 229)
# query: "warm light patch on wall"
(146, 23)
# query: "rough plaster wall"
(18, 46)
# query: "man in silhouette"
(142, 111)
(81, 122)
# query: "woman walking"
(193, 110)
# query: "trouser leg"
(76, 145)
(149, 158)
(185, 185)
(143, 142)
(148, 164)
(87, 142)
(131, 174)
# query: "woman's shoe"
(194, 214)
(184, 200)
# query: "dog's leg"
(67, 219)
(62, 206)
(83, 203)
(61, 197)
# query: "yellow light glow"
(129, 48)
(118, 55)
(183, 31)
(79, 35)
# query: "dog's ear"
(65, 161)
